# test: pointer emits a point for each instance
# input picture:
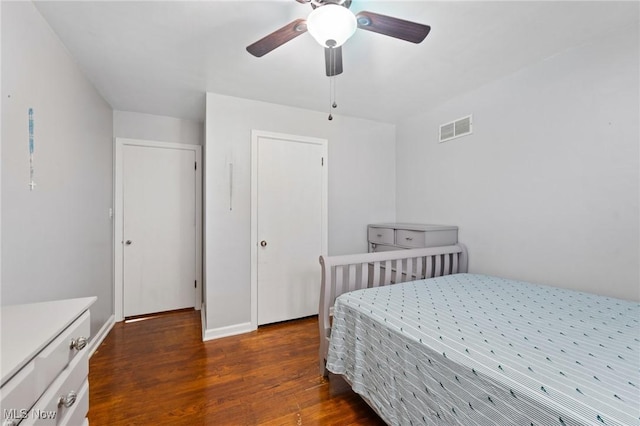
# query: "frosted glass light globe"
(331, 25)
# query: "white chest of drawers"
(397, 236)
(44, 364)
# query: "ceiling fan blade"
(393, 27)
(333, 60)
(278, 38)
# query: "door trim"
(118, 252)
(255, 136)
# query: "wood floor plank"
(158, 371)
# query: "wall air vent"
(456, 128)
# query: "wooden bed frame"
(341, 274)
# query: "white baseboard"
(101, 335)
(231, 330)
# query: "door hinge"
(195, 284)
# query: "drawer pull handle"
(379, 235)
(68, 400)
(408, 238)
(78, 344)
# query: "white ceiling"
(161, 57)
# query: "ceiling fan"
(331, 23)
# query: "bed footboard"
(341, 274)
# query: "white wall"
(135, 125)
(361, 190)
(547, 187)
(57, 239)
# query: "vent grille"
(456, 128)
(447, 131)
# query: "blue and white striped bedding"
(471, 349)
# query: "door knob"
(263, 243)
(128, 242)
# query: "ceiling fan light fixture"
(331, 25)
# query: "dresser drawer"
(77, 415)
(50, 410)
(427, 238)
(19, 394)
(409, 238)
(55, 357)
(381, 235)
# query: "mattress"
(470, 349)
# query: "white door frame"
(118, 266)
(255, 136)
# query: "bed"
(442, 346)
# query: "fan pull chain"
(332, 95)
(332, 84)
(334, 104)
(331, 67)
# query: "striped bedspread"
(478, 350)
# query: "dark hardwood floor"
(159, 372)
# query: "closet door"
(290, 205)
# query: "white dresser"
(44, 363)
(397, 236)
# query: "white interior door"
(159, 229)
(290, 229)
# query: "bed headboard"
(341, 274)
